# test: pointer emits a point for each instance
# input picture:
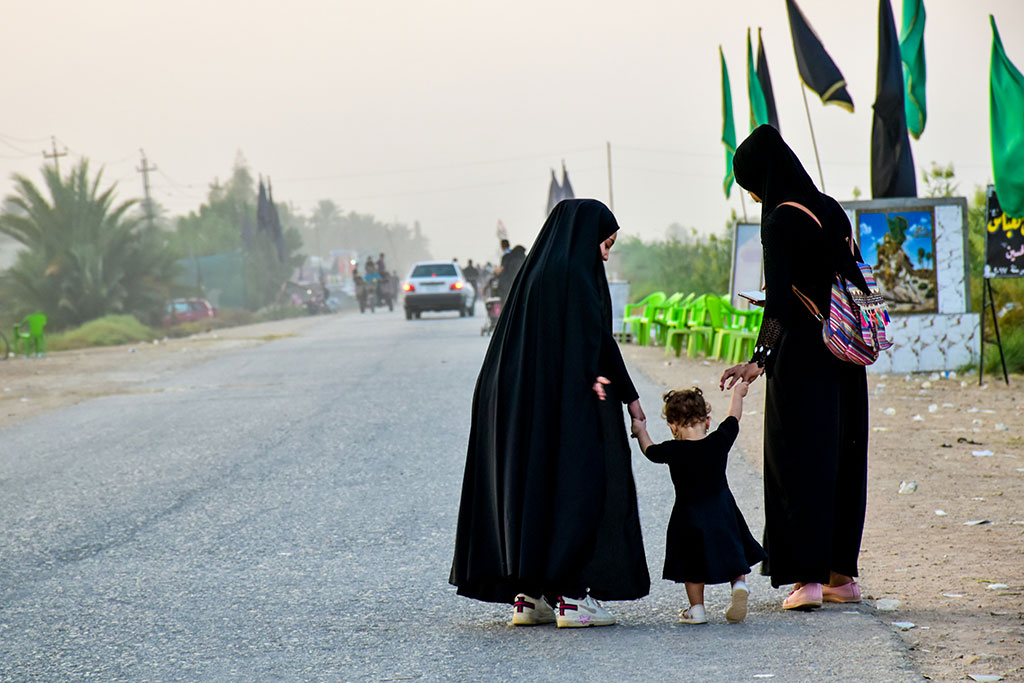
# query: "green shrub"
(109, 330)
(1011, 333)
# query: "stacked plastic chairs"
(638, 317)
(735, 338)
(660, 316)
(707, 324)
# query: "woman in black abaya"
(548, 499)
(815, 430)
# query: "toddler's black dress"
(708, 539)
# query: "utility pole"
(144, 170)
(55, 155)
(611, 199)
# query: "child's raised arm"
(736, 406)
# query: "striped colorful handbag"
(855, 328)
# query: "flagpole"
(611, 200)
(807, 108)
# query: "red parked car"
(188, 310)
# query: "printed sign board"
(899, 244)
(1004, 240)
(747, 269)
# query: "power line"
(26, 141)
(440, 167)
(16, 148)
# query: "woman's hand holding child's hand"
(741, 388)
(637, 427)
(744, 372)
(636, 412)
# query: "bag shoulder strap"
(804, 209)
(811, 306)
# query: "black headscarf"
(537, 424)
(765, 165)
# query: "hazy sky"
(452, 112)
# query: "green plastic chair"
(660, 316)
(638, 317)
(675, 319)
(745, 339)
(702, 333)
(693, 315)
(29, 334)
(733, 325)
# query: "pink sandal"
(848, 592)
(806, 597)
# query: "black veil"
(536, 486)
(765, 165)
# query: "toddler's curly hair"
(685, 407)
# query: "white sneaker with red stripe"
(584, 612)
(528, 611)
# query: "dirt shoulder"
(31, 386)
(952, 551)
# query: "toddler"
(708, 540)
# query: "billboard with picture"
(900, 247)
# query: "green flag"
(1006, 104)
(758, 105)
(914, 74)
(728, 127)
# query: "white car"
(437, 286)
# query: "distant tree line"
(686, 261)
(84, 254)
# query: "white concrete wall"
(947, 340)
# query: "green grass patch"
(110, 330)
(1011, 333)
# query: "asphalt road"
(287, 512)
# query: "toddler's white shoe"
(578, 613)
(737, 610)
(528, 611)
(695, 615)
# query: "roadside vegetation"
(85, 255)
(110, 330)
(683, 262)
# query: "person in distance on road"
(511, 261)
(708, 539)
(473, 277)
(549, 509)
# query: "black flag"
(817, 70)
(567, 192)
(554, 192)
(892, 164)
(765, 79)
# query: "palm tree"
(84, 255)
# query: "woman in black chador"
(815, 428)
(549, 506)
